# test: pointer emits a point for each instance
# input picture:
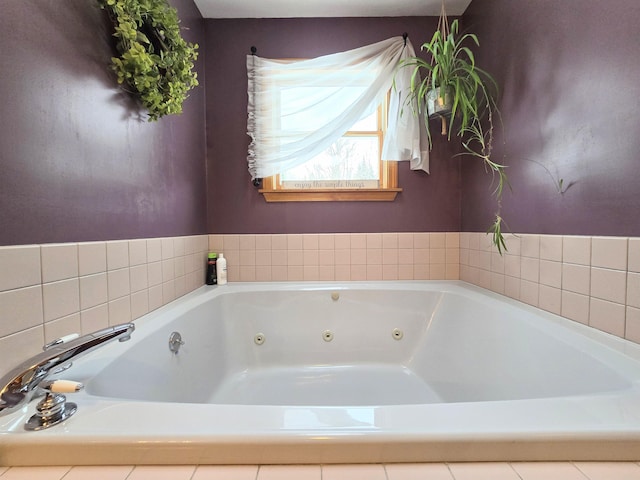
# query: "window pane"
(352, 160)
(295, 113)
(367, 124)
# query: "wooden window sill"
(359, 195)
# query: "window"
(298, 113)
(351, 169)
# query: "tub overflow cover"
(175, 342)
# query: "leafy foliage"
(495, 229)
(155, 62)
(452, 69)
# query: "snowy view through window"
(352, 162)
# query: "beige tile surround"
(340, 257)
(50, 290)
(592, 280)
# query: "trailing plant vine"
(452, 77)
(478, 143)
(155, 63)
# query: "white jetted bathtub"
(345, 372)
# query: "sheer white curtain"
(297, 109)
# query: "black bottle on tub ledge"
(212, 274)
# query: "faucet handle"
(17, 386)
(62, 386)
(54, 408)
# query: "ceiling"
(326, 8)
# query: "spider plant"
(451, 77)
(478, 143)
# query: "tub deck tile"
(111, 472)
(290, 472)
(609, 470)
(483, 471)
(548, 471)
(35, 473)
(418, 471)
(172, 472)
(352, 472)
(226, 472)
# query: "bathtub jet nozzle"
(18, 386)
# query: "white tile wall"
(21, 267)
(592, 280)
(47, 291)
(59, 262)
(340, 257)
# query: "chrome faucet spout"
(17, 387)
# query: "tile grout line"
(42, 294)
(193, 474)
(66, 473)
(581, 472)
(513, 469)
(447, 464)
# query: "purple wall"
(428, 202)
(76, 161)
(570, 81)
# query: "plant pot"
(439, 105)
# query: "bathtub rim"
(240, 450)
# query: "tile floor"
(423, 471)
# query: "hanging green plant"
(460, 94)
(155, 62)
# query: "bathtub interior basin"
(350, 372)
(347, 346)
